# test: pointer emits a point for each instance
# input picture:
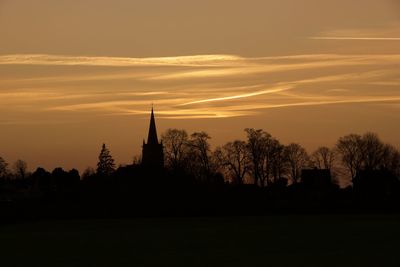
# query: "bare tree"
(391, 159)
(200, 152)
(367, 153)
(175, 147)
(3, 168)
(256, 144)
(20, 168)
(235, 158)
(267, 159)
(278, 161)
(351, 152)
(297, 159)
(372, 151)
(323, 158)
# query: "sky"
(75, 74)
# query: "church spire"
(153, 152)
(152, 137)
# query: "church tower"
(153, 152)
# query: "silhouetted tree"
(323, 158)
(64, 178)
(235, 158)
(88, 173)
(351, 152)
(256, 143)
(372, 151)
(74, 174)
(267, 157)
(366, 153)
(106, 165)
(278, 161)
(20, 168)
(42, 180)
(3, 168)
(73, 179)
(60, 177)
(391, 160)
(200, 149)
(175, 147)
(137, 160)
(297, 159)
(270, 146)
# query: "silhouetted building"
(153, 152)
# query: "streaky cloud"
(257, 93)
(62, 60)
(333, 102)
(199, 87)
(344, 38)
(267, 67)
(177, 61)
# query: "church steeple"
(152, 137)
(153, 152)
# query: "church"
(153, 151)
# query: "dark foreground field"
(362, 240)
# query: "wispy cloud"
(235, 97)
(334, 102)
(61, 60)
(266, 66)
(211, 86)
(356, 38)
(389, 32)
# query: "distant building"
(153, 151)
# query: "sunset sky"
(75, 74)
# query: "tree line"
(256, 175)
(260, 159)
(263, 160)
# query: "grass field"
(244, 241)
